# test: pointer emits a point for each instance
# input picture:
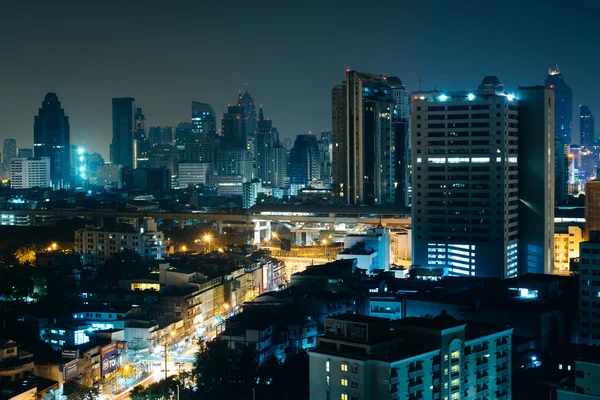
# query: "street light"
(54, 246)
(208, 238)
(184, 248)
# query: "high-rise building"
(25, 153)
(587, 126)
(561, 172)
(563, 107)
(204, 122)
(536, 167)
(124, 124)
(363, 134)
(9, 151)
(402, 184)
(566, 247)
(161, 135)
(417, 358)
(250, 191)
(325, 154)
(465, 178)
(589, 270)
(29, 173)
(269, 154)
(234, 162)
(51, 138)
(191, 174)
(233, 157)
(305, 160)
(280, 166)
(592, 207)
(183, 132)
(233, 128)
(141, 144)
(248, 112)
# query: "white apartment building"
(191, 174)
(361, 358)
(566, 247)
(29, 173)
(97, 245)
(587, 385)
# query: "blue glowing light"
(442, 97)
(510, 97)
(471, 96)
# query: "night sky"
(168, 53)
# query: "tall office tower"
(589, 270)
(204, 122)
(27, 173)
(233, 128)
(587, 126)
(563, 108)
(123, 113)
(141, 144)
(236, 162)
(200, 150)
(280, 166)
(364, 165)
(51, 138)
(305, 160)
(266, 139)
(402, 184)
(465, 180)
(561, 172)
(165, 156)
(536, 172)
(161, 135)
(248, 112)
(183, 132)
(9, 151)
(25, 153)
(325, 150)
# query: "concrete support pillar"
(219, 226)
(32, 220)
(181, 223)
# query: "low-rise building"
(14, 363)
(29, 173)
(96, 245)
(566, 247)
(362, 357)
(586, 384)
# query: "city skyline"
(165, 87)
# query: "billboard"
(109, 358)
(70, 369)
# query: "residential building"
(589, 289)
(14, 363)
(563, 107)
(250, 191)
(29, 173)
(96, 245)
(305, 160)
(364, 164)
(51, 138)
(566, 247)
(372, 251)
(586, 385)
(123, 116)
(325, 156)
(9, 151)
(438, 358)
(587, 127)
(191, 174)
(465, 178)
(536, 166)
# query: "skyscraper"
(363, 152)
(536, 179)
(123, 112)
(51, 138)
(563, 109)
(402, 185)
(587, 126)
(266, 139)
(204, 123)
(561, 172)
(141, 144)
(25, 153)
(9, 151)
(325, 156)
(233, 128)
(249, 112)
(305, 160)
(183, 132)
(465, 179)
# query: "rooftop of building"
(331, 269)
(6, 343)
(11, 390)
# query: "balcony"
(482, 378)
(415, 385)
(482, 388)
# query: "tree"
(25, 255)
(77, 391)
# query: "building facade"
(440, 358)
(587, 127)
(96, 245)
(9, 151)
(589, 289)
(123, 115)
(563, 109)
(364, 144)
(28, 173)
(51, 138)
(305, 161)
(191, 174)
(204, 123)
(465, 179)
(566, 248)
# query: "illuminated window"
(454, 382)
(445, 371)
(455, 369)
(344, 396)
(344, 382)
(446, 385)
(455, 354)
(344, 367)
(445, 357)
(455, 396)
(326, 365)
(327, 380)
